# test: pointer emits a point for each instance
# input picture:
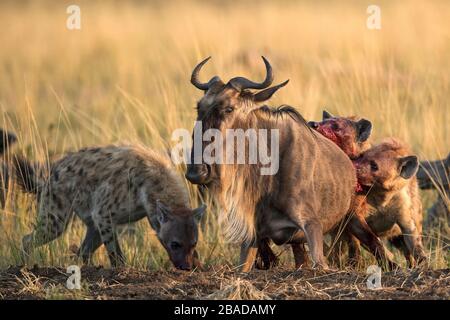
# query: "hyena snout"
(184, 262)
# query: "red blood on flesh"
(328, 133)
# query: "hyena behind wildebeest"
(7, 139)
(387, 173)
(309, 194)
(436, 175)
(107, 187)
(351, 134)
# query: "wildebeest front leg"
(266, 258)
(248, 256)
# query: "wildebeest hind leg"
(266, 258)
(314, 236)
(300, 255)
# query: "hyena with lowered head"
(107, 187)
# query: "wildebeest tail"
(27, 175)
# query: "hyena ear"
(326, 115)
(163, 213)
(199, 212)
(266, 94)
(408, 166)
(364, 128)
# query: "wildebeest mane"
(285, 110)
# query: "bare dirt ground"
(101, 283)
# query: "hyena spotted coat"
(107, 187)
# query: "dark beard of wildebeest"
(436, 175)
(311, 192)
(6, 140)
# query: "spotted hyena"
(436, 175)
(387, 173)
(107, 187)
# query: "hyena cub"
(7, 139)
(107, 187)
(387, 173)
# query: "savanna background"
(125, 77)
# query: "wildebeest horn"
(241, 83)
(194, 77)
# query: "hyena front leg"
(413, 240)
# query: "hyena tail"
(6, 140)
(27, 175)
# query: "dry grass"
(125, 77)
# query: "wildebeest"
(107, 187)
(7, 139)
(310, 193)
(436, 175)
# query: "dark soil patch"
(101, 283)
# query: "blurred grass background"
(125, 77)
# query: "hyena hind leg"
(92, 241)
(49, 227)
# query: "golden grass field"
(125, 77)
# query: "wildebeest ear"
(326, 115)
(364, 129)
(266, 94)
(163, 213)
(408, 166)
(199, 212)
